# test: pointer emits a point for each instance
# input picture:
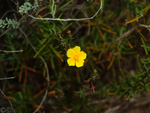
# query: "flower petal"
(69, 52)
(71, 62)
(83, 55)
(76, 49)
(79, 63)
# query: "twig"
(124, 35)
(5, 32)
(7, 78)
(48, 76)
(147, 26)
(5, 51)
(68, 19)
(8, 100)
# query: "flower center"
(76, 57)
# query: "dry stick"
(124, 35)
(134, 28)
(68, 19)
(48, 76)
(4, 32)
(127, 33)
(143, 25)
(7, 78)
(16, 51)
(8, 100)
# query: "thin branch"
(5, 32)
(48, 76)
(124, 35)
(142, 25)
(16, 51)
(68, 19)
(8, 100)
(7, 78)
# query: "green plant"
(38, 47)
(9, 22)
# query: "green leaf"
(146, 8)
(65, 4)
(146, 51)
(139, 65)
(41, 49)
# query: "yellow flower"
(76, 56)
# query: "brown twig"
(127, 33)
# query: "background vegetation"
(34, 74)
